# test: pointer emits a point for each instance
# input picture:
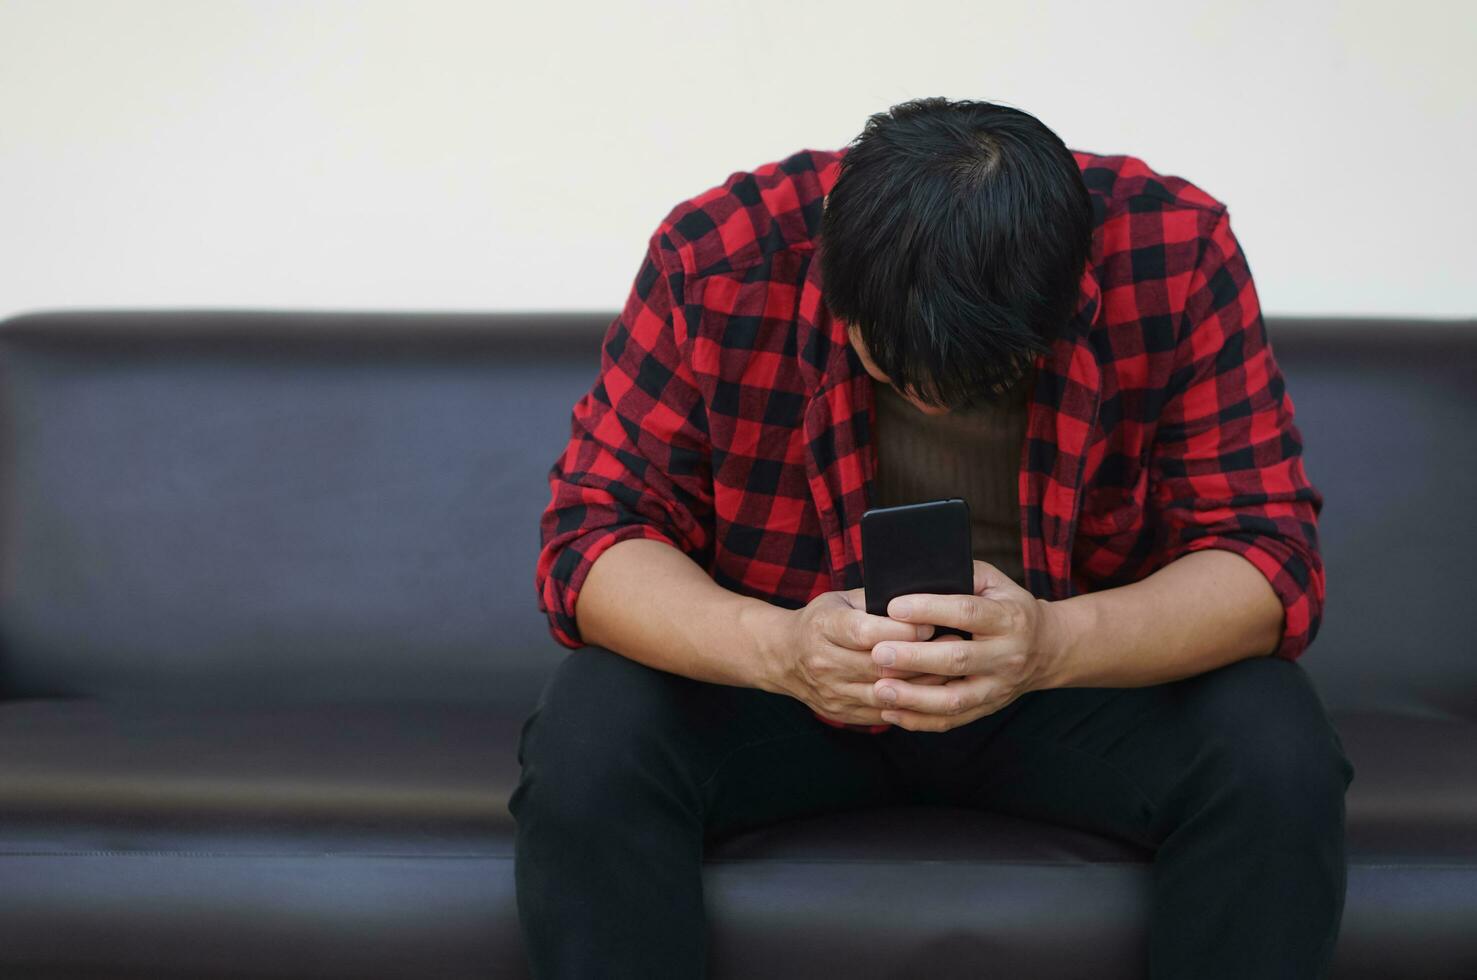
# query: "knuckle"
(958, 658)
(825, 622)
(843, 627)
(964, 607)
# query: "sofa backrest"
(1388, 414)
(243, 505)
(270, 505)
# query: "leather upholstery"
(268, 636)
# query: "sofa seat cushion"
(282, 837)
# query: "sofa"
(268, 635)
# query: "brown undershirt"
(974, 453)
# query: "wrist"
(1054, 645)
(766, 627)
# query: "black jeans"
(1234, 777)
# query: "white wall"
(482, 156)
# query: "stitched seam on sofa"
(265, 854)
(1086, 863)
(1353, 862)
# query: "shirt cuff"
(562, 587)
(1298, 587)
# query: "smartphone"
(923, 547)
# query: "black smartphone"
(923, 547)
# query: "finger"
(841, 628)
(861, 631)
(929, 679)
(973, 613)
(857, 599)
(959, 696)
(918, 721)
(916, 676)
(874, 629)
(860, 694)
(955, 658)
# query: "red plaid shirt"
(733, 420)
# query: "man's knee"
(1269, 742)
(600, 727)
(596, 694)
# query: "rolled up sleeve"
(637, 464)
(1227, 457)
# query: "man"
(954, 305)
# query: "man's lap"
(1132, 761)
(1113, 760)
(742, 757)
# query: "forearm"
(648, 601)
(1201, 611)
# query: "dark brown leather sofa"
(268, 635)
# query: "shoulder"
(1121, 184)
(750, 215)
(1151, 230)
(1154, 235)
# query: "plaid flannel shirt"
(732, 419)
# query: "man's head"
(953, 245)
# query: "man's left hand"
(1012, 652)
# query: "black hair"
(954, 240)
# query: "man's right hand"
(823, 656)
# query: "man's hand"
(1012, 652)
(823, 658)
